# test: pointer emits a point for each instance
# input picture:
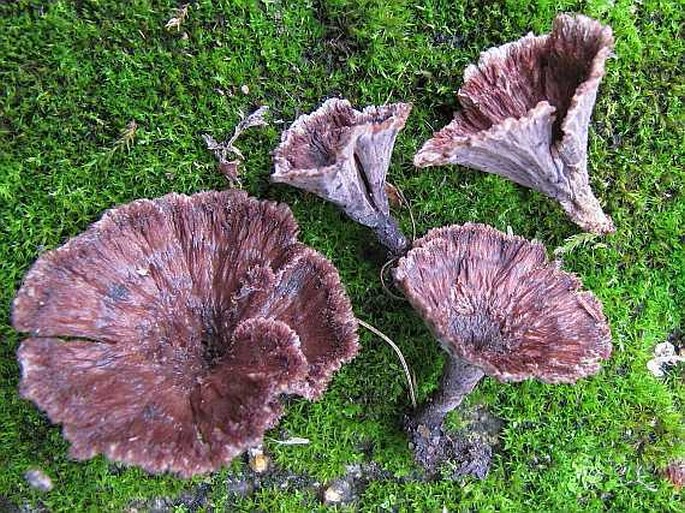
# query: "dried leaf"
(222, 150)
(394, 196)
(179, 16)
(127, 136)
(230, 170)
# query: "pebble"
(258, 461)
(38, 480)
(339, 491)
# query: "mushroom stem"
(459, 378)
(432, 446)
(390, 236)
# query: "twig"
(382, 276)
(178, 18)
(405, 367)
(411, 214)
(222, 150)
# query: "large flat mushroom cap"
(134, 409)
(495, 301)
(185, 318)
(525, 116)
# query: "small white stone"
(258, 461)
(332, 496)
(38, 480)
(245, 89)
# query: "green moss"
(74, 74)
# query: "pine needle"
(405, 367)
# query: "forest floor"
(104, 102)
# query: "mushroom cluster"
(495, 302)
(164, 335)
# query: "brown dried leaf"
(179, 16)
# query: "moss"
(74, 74)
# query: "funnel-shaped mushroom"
(342, 155)
(500, 308)
(164, 335)
(526, 111)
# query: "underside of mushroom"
(499, 308)
(526, 108)
(164, 335)
(342, 155)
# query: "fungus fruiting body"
(526, 108)
(164, 335)
(342, 155)
(499, 308)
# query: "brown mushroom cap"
(191, 315)
(526, 110)
(495, 301)
(342, 155)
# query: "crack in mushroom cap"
(342, 155)
(164, 334)
(526, 111)
(495, 301)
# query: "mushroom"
(499, 308)
(164, 335)
(342, 155)
(526, 111)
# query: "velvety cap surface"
(497, 302)
(164, 334)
